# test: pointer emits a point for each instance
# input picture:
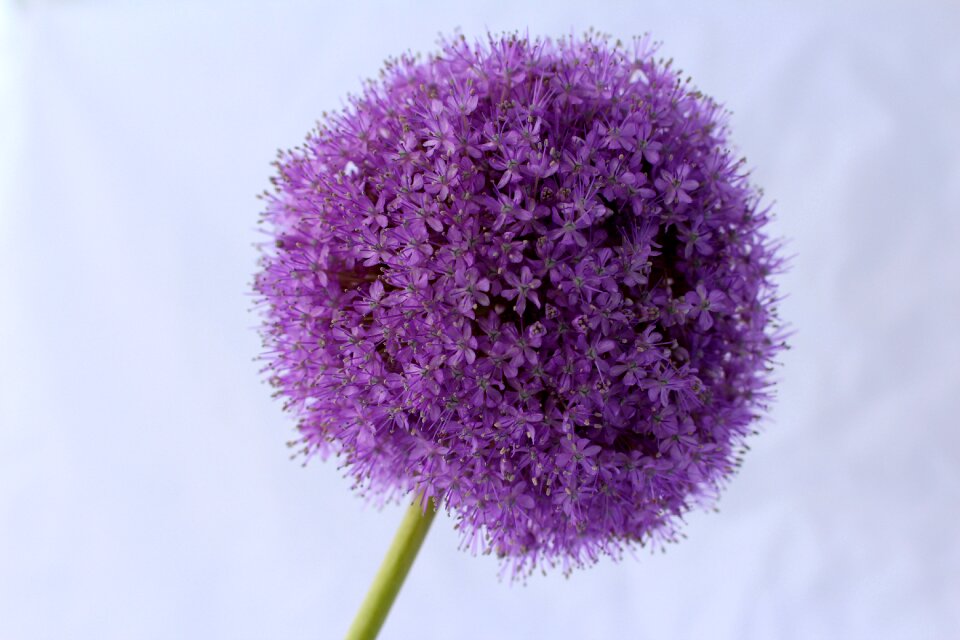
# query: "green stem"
(392, 571)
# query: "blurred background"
(145, 490)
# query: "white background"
(145, 490)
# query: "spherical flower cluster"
(528, 278)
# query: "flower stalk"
(393, 571)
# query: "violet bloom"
(527, 279)
(523, 288)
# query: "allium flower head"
(528, 278)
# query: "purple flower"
(464, 345)
(646, 146)
(695, 238)
(699, 303)
(441, 179)
(578, 452)
(619, 136)
(470, 290)
(523, 288)
(527, 278)
(675, 185)
(568, 225)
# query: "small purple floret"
(528, 278)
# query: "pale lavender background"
(145, 491)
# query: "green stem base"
(403, 550)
